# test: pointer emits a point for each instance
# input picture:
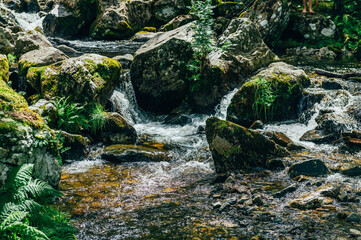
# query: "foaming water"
(28, 21)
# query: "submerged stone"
(313, 168)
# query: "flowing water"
(173, 199)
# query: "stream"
(174, 199)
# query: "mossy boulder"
(235, 147)
(159, 68)
(85, 79)
(39, 58)
(117, 130)
(25, 138)
(77, 144)
(271, 95)
(4, 68)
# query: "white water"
(28, 21)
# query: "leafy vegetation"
(23, 210)
(11, 59)
(74, 118)
(203, 39)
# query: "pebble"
(355, 232)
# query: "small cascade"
(28, 21)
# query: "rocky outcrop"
(310, 27)
(271, 95)
(158, 70)
(271, 17)
(234, 147)
(25, 138)
(85, 79)
(29, 41)
(39, 58)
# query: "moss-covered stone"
(272, 95)
(235, 147)
(4, 68)
(84, 79)
(10, 98)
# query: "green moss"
(8, 95)
(4, 68)
(28, 118)
(24, 66)
(8, 125)
(150, 29)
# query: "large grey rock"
(85, 79)
(38, 58)
(158, 70)
(285, 83)
(311, 27)
(271, 17)
(235, 147)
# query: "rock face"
(234, 147)
(310, 27)
(281, 84)
(157, 71)
(271, 17)
(88, 78)
(25, 138)
(39, 58)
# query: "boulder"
(271, 95)
(70, 52)
(313, 168)
(28, 41)
(47, 111)
(117, 130)
(336, 123)
(77, 144)
(39, 58)
(84, 79)
(6, 40)
(235, 147)
(158, 70)
(318, 136)
(71, 18)
(351, 141)
(25, 138)
(271, 17)
(310, 27)
(125, 60)
(351, 171)
(134, 153)
(245, 53)
(8, 21)
(165, 10)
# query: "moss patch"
(4, 68)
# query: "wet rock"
(331, 85)
(257, 125)
(285, 191)
(352, 142)
(143, 36)
(178, 120)
(314, 168)
(176, 22)
(271, 17)
(289, 82)
(47, 110)
(355, 232)
(29, 6)
(341, 215)
(318, 136)
(295, 147)
(156, 75)
(89, 78)
(28, 41)
(217, 205)
(351, 171)
(39, 58)
(310, 27)
(117, 130)
(77, 144)
(275, 164)
(353, 217)
(70, 52)
(6, 40)
(165, 10)
(306, 202)
(125, 60)
(258, 200)
(335, 123)
(229, 9)
(134, 153)
(234, 147)
(201, 130)
(279, 138)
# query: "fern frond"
(26, 231)
(38, 189)
(13, 217)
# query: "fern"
(22, 216)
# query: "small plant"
(11, 59)
(71, 116)
(203, 39)
(264, 96)
(97, 118)
(22, 211)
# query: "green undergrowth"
(26, 212)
